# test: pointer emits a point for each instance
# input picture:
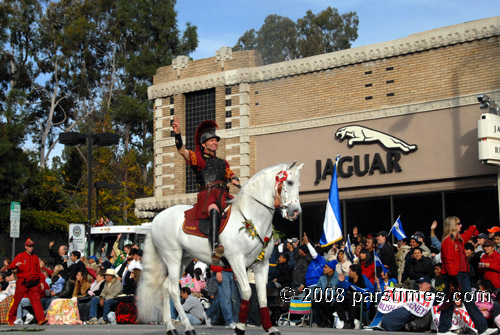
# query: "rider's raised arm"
(176, 126)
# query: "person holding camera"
(29, 277)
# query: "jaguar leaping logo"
(359, 134)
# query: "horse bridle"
(279, 188)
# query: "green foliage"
(280, 39)
(84, 66)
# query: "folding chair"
(299, 307)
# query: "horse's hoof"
(190, 332)
(172, 332)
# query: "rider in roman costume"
(211, 173)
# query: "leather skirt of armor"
(205, 198)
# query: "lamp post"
(103, 140)
(102, 184)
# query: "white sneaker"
(490, 331)
(18, 322)
(232, 325)
(208, 322)
(447, 333)
(29, 318)
(357, 324)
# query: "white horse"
(168, 250)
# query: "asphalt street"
(161, 330)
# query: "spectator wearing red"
(367, 265)
(29, 277)
(455, 271)
(489, 266)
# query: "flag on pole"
(348, 249)
(397, 229)
(332, 226)
(378, 262)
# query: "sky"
(221, 22)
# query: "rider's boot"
(218, 249)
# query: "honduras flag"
(397, 230)
(332, 226)
(378, 262)
(348, 249)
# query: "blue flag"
(378, 262)
(332, 226)
(348, 249)
(397, 230)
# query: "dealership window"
(200, 106)
(474, 207)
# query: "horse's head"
(287, 191)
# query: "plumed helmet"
(204, 132)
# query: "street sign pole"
(15, 220)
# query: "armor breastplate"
(215, 169)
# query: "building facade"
(401, 114)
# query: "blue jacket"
(346, 285)
(323, 282)
(58, 286)
(315, 270)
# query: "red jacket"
(492, 272)
(30, 267)
(368, 271)
(450, 251)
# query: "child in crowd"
(484, 304)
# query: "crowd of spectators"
(210, 294)
(415, 263)
(73, 290)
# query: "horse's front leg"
(261, 271)
(239, 270)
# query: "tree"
(276, 40)
(326, 32)
(280, 39)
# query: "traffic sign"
(15, 219)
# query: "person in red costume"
(211, 174)
(489, 265)
(455, 271)
(29, 278)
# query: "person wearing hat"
(489, 265)
(480, 241)
(493, 230)
(386, 253)
(29, 277)
(93, 263)
(421, 239)
(107, 299)
(456, 273)
(398, 318)
(211, 174)
(323, 308)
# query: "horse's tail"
(150, 288)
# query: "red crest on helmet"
(203, 127)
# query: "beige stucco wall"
(421, 88)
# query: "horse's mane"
(251, 186)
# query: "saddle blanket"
(200, 227)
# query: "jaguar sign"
(361, 165)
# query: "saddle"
(200, 227)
